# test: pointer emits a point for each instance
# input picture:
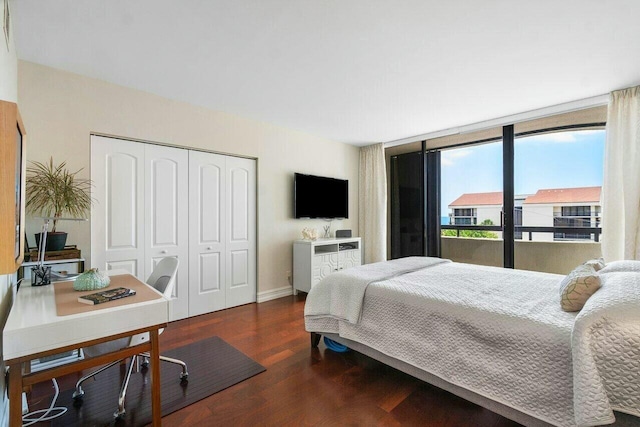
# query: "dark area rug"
(213, 366)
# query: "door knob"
(164, 251)
(209, 248)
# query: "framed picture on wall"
(19, 194)
(12, 187)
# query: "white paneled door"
(241, 231)
(222, 232)
(207, 217)
(155, 201)
(140, 213)
(117, 216)
(166, 199)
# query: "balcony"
(549, 256)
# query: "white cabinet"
(314, 260)
(155, 201)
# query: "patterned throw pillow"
(577, 287)
(596, 263)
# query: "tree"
(475, 234)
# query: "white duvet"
(501, 333)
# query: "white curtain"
(372, 206)
(621, 186)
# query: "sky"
(557, 160)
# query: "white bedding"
(340, 295)
(501, 333)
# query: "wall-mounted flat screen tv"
(320, 197)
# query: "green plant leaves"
(53, 191)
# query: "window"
(575, 217)
(464, 216)
(556, 167)
(471, 195)
(517, 221)
(559, 177)
(576, 211)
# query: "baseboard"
(284, 291)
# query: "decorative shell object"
(91, 280)
(309, 234)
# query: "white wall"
(489, 212)
(8, 92)
(60, 111)
(538, 216)
(8, 65)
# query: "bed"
(494, 336)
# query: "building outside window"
(555, 207)
(466, 216)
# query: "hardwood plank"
(305, 386)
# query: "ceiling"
(355, 71)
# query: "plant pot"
(55, 241)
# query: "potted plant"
(53, 191)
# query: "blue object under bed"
(334, 346)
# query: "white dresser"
(315, 259)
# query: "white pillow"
(577, 287)
(624, 265)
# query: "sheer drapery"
(372, 207)
(621, 183)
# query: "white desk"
(34, 330)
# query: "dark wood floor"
(304, 386)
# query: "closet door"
(207, 231)
(241, 231)
(117, 216)
(167, 216)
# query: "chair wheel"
(145, 365)
(78, 401)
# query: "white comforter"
(501, 334)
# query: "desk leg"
(15, 395)
(156, 410)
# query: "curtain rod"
(567, 107)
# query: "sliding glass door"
(558, 180)
(407, 205)
(528, 200)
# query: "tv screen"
(320, 197)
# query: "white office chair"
(163, 279)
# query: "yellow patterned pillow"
(577, 287)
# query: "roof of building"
(478, 199)
(565, 195)
(545, 196)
